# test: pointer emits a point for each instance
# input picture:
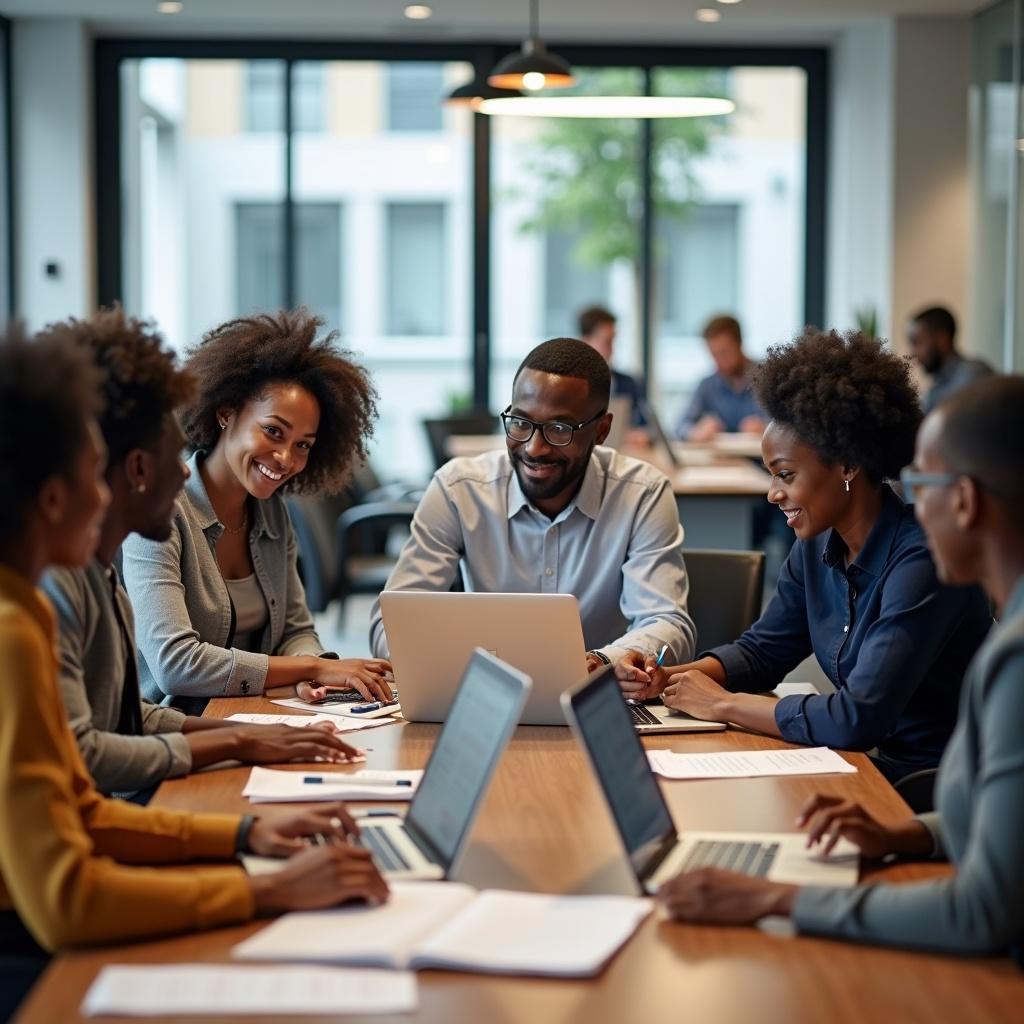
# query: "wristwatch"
(242, 835)
(603, 657)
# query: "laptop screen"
(482, 717)
(605, 727)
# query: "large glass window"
(416, 256)
(6, 254)
(415, 93)
(566, 207)
(729, 202)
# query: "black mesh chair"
(918, 790)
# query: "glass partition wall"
(443, 245)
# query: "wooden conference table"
(544, 827)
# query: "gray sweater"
(979, 825)
(93, 656)
(183, 614)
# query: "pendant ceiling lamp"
(473, 93)
(534, 67)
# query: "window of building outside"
(415, 258)
(569, 286)
(264, 96)
(415, 94)
(260, 253)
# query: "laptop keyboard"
(643, 715)
(746, 858)
(384, 851)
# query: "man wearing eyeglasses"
(556, 513)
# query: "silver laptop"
(431, 635)
(621, 408)
(428, 841)
(656, 851)
(649, 718)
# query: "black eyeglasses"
(557, 434)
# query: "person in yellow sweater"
(77, 868)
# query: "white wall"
(930, 190)
(53, 176)
(861, 153)
(898, 195)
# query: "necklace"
(238, 529)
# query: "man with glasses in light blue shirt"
(556, 513)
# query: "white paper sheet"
(796, 690)
(533, 933)
(149, 990)
(304, 721)
(379, 936)
(745, 764)
(339, 713)
(269, 786)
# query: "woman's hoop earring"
(847, 486)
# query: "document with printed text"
(275, 786)
(747, 764)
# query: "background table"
(544, 826)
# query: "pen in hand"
(661, 656)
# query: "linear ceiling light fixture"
(608, 106)
(534, 67)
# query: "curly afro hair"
(143, 384)
(238, 360)
(846, 397)
(49, 391)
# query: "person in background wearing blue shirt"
(597, 329)
(725, 401)
(858, 589)
(931, 336)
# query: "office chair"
(918, 790)
(439, 430)
(725, 593)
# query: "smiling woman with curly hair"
(220, 608)
(858, 589)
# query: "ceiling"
(661, 21)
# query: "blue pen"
(362, 709)
(308, 780)
(661, 656)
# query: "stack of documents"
(450, 925)
(304, 721)
(154, 990)
(747, 764)
(339, 711)
(270, 786)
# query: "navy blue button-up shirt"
(894, 642)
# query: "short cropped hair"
(983, 437)
(142, 381)
(593, 317)
(937, 319)
(846, 396)
(49, 390)
(240, 359)
(570, 357)
(723, 325)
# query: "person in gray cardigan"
(220, 609)
(968, 482)
(129, 744)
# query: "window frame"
(109, 53)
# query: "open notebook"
(450, 925)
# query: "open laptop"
(659, 439)
(651, 718)
(656, 851)
(431, 635)
(427, 842)
(621, 408)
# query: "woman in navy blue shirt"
(858, 589)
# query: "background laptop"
(656, 852)
(431, 636)
(651, 718)
(427, 842)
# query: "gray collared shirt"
(954, 374)
(183, 613)
(617, 547)
(93, 653)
